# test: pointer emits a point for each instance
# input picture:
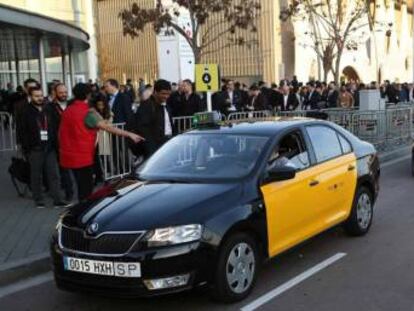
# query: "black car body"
(115, 222)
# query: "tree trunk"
(337, 67)
(325, 74)
(197, 55)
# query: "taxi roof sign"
(206, 119)
(207, 78)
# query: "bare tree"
(334, 25)
(231, 18)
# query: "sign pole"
(209, 102)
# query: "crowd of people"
(63, 138)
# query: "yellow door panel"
(299, 208)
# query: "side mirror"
(281, 172)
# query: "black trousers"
(84, 180)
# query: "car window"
(346, 146)
(291, 148)
(325, 142)
(204, 157)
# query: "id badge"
(43, 135)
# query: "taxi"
(212, 204)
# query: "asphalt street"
(329, 272)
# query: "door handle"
(351, 167)
(314, 183)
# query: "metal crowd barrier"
(7, 132)
(183, 124)
(383, 128)
(113, 154)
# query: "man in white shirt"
(153, 120)
(287, 100)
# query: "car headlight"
(174, 235)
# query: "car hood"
(131, 205)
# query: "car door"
(336, 175)
(291, 205)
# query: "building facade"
(47, 40)
(121, 57)
(277, 53)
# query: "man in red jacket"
(77, 138)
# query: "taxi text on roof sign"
(206, 119)
(207, 78)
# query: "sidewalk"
(25, 231)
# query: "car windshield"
(201, 157)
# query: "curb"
(23, 269)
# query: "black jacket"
(175, 104)
(332, 99)
(122, 108)
(33, 121)
(312, 100)
(148, 122)
(225, 104)
(191, 106)
(292, 102)
(259, 102)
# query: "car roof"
(265, 128)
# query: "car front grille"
(105, 244)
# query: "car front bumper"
(195, 259)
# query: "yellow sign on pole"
(207, 78)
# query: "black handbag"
(19, 171)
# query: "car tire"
(360, 220)
(237, 268)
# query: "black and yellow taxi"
(212, 204)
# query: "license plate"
(108, 268)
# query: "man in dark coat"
(191, 102)
(257, 101)
(314, 96)
(19, 105)
(332, 95)
(121, 106)
(175, 101)
(153, 120)
(55, 108)
(287, 101)
(39, 144)
(119, 103)
(230, 100)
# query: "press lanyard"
(43, 125)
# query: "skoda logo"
(93, 228)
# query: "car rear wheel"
(360, 220)
(237, 268)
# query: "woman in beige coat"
(345, 99)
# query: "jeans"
(84, 180)
(66, 182)
(44, 162)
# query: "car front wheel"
(237, 268)
(362, 213)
